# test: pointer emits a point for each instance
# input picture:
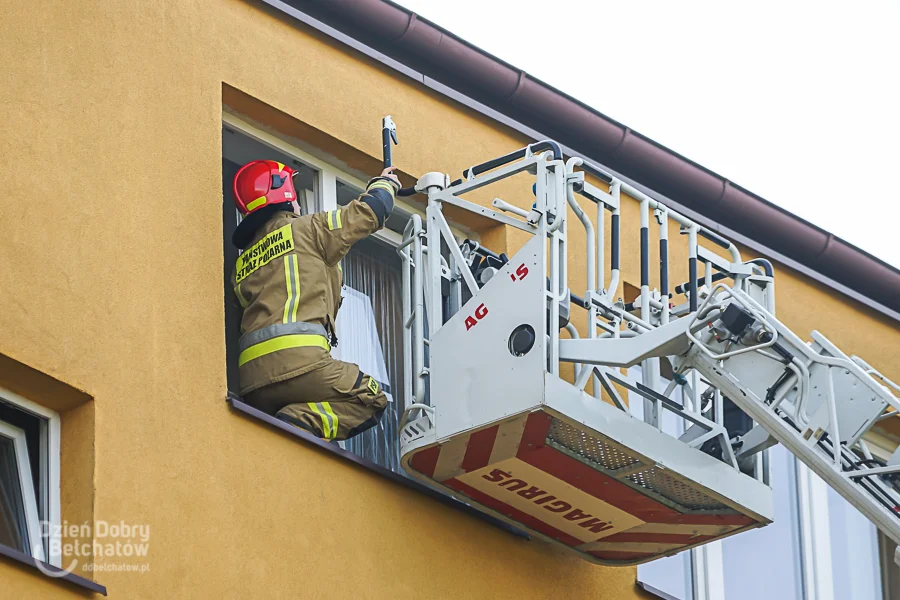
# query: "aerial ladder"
(490, 420)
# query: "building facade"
(123, 464)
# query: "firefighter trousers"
(335, 401)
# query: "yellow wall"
(111, 246)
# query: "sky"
(796, 100)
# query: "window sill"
(236, 404)
(58, 574)
(655, 592)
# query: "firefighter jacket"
(288, 282)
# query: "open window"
(29, 478)
(238, 148)
(369, 323)
(19, 522)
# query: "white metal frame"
(815, 543)
(697, 352)
(555, 185)
(50, 473)
(803, 437)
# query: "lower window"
(29, 477)
(19, 522)
(856, 569)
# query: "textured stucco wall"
(111, 242)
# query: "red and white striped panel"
(508, 468)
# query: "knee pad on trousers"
(367, 424)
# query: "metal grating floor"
(604, 455)
(594, 449)
(657, 480)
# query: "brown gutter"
(436, 52)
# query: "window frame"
(328, 175)
(49, 472)
(815, 541)
(325, 187)
(26, 487)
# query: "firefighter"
(288, 281)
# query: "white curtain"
(360, 343)
(369, 328)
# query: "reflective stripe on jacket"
(288, 282)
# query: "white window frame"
(328, 175)
(49, 472)
(815, 534)
(815, 545)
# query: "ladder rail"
(886, 520)
(838, 465)
(838, 359)
(413, 293)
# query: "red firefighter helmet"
(263, 183)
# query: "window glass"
(13, 525)
(765, 563)
(346, 193)
(854, 551)
(34, 429)
(371, 330)
(671, 575)
(31, 426)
